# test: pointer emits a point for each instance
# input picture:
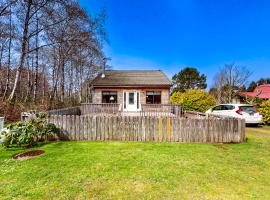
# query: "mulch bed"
(28, 154)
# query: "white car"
(243, 111)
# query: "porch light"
(111, 98)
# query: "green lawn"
(121, 170)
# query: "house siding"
(97, 94)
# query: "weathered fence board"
(161, 110)
(104, 108)
(162, 129)
(116, 109)
(66, 111)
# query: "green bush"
(28, 133)
(254, 101)
(177, 98)
(264, 109)
(194, 100)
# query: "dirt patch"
(28, 154)
(265, 132)
(221, 146)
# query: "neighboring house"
(131, 88)
(261, 92)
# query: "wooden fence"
(66, 111)
(161, 110)
(152, 129)
(102, 108)
(109, 109)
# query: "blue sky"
(173, 34)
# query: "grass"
(122, 170)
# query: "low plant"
(264, 109)
(29, 132)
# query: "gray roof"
(132, 78)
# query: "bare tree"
(11, 30)
(56, 49)
(29, 4)
(229, 80)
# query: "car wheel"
(252, 125)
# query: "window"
(153, 97)
(125, 98)
(248, 109)
(131, 98)
(109, 97)
(217, 108)
(223, 107)
(228, 107)
(138, 100)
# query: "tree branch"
(48, 26)
(3, 10)
(41, 6)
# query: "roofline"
(166, 77)
(153, 85)
(264, 85)
(132, 86)
(126, 70)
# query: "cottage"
(131, 89)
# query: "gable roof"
(132, 78)
(261, 91)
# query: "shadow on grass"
(14, 148)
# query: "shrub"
(177, 98)
(264, 109)
(254, 101)
(28, 133)
(194, 100)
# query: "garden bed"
(28, 155)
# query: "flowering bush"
(264, 109)
(194, 100)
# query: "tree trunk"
(9, 56)
(53, 77)
(36, 66)
(62, 85)
(1, 56)
(23, 47)
(28, 75)
(44, 84)
(70, 87)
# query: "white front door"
(131, 101)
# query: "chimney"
(104, 64)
